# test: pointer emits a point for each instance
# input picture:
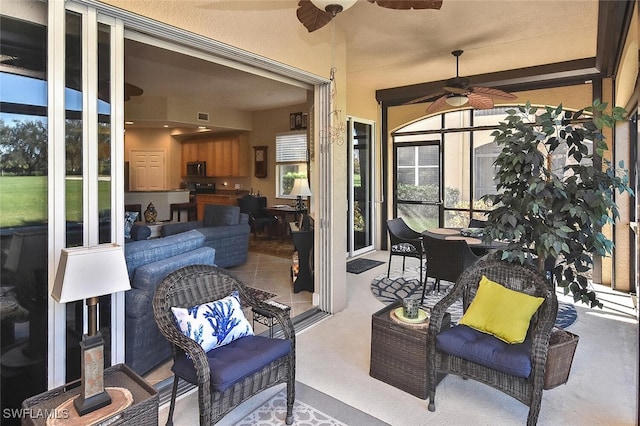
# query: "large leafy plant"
(552, 216)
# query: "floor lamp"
(86, 273)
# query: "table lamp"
(300, 189)
(88, 273)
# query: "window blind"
(291, 147)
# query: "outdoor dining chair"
(405, 242)
(446, 260)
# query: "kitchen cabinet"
(226, 156)
(191, 151)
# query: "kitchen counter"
(160, 199)
(230, 198)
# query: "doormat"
(358, 266)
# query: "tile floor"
(264, 272)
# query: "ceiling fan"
(458, 91)
(315, 14)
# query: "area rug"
(358, 266)
(311, 408)
(389, 290)
(273, 247)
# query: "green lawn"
(23, 199)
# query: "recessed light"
(128, 122)
(202, 127)
(166, 125)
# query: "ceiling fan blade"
(494, 93)
(312, 17)
(132, 90)
(425, 98)
(408, 4)
(479, 101)
(439, 104)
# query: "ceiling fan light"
(333, 6)
(457, 100)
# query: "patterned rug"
(273, 247)
(399, 286)
(311, 408)
(274, 411)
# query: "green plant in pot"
(555, 192)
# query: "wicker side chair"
(405, 242)
(515, 277)
(194, 285)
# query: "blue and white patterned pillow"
(129, 219)
(214, 324)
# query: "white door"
(147, 170)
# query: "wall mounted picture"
(298, 120)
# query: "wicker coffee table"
(399, 351)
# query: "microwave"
(197, 168)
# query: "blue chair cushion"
(233, 362)
(486, 350)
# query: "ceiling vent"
(203, 116)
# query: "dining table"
(476, 243)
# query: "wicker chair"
(193, 285)
(446, 260)
(405, 242)
(515, 277)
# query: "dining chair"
(405, 242)
(446, 260)
(259, 218)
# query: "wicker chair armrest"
(281, 316)
(542, 333)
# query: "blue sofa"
(148, 263)
(224, 228)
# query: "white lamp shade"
(85, 272)
(322, 4)
(301, 188)
(457, 100)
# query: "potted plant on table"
(547, 211)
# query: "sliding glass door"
(360, 186)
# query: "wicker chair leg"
(389, 266)
(172, 405)
(432, 401)
(534, 410)
(291, 393)
(403, 259)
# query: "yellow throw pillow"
(501, 312)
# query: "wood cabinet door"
(190, 152)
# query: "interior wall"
(147, 139)
(266, 125)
